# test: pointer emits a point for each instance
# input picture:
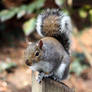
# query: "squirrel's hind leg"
(61, 73)
(64, 75)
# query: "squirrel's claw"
(56, 79)
(40, 77)
(48, 75)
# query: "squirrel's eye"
(37, 54)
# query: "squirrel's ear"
(40, 44)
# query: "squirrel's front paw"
(48, 75)
(40, 77)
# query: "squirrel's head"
(33, 53)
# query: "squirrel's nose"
(27, 62)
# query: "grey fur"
(54, 59)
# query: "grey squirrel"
(50, 56)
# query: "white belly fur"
(60, 71)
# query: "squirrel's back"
(55, 23)
(52, 43)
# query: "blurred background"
(17, 21)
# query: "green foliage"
(82, 13)
(7, 14)
(79, 64)
(86, 11)
(59, 2)
(7, 65)
(90, 13)
(29, 26)
(21, 11)
(35, 6)
(77, 67)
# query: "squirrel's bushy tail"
(55, 23)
